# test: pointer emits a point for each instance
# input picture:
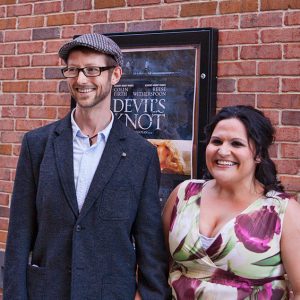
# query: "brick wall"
(259, 51)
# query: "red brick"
(235, 99)
(261, 20)
(99, 4)
(279, 4)
(26, 125)
(17, 35)
(7, 74)
(292, 51)
(61, 19)
(8, 23)
(285, 166)
(291, 118)
(29, 48)
(29, 99)
(14, 112)
(13, 86)
(45, 60)
(6, 187)
(292, 18)
(45, 33)
(288, 134)
(238, 37)
(109, 28)
(5, 150)
(125, 14)
(261, 52)
(42, 112)
(42, 86)
(28, 1)
(19, 10)
(226, 85)
(7, 49)
(47, 7)
(280, 35)
(291, 84)
(11, 137)
(16, 61)
(4, 199)
(144, 26)
(30, 73)
(142, 2)
(279, 68)
(16, 152)
(70, 31)
(57, 100)
(31, 22)
(178, 24)
(291, 183)
(3, 2)
(62, 112)
(4, 212)
(2, 11)
(91, 17)
(53, 73)
(77, 5)
(238, 6)
(6, 124)
(272, 115)
(258, 85)
(8, 162)
(228, 53)
(54, 46)
(198, 9)
(282, 101)
(220, 22)
(3, 236)
(5, 173)
(290, 150)
(157, 12)
(6, 99)
(237, 68)
(4, 224)
(63, 87)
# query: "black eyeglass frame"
(101, 69)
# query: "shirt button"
(78, 228)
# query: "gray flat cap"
(95, 41)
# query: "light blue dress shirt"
(86, 158)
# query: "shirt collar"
(77, 131)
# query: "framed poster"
(167, 94)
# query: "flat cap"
(95, 41)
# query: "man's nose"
(81, 77)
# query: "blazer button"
(78, 228)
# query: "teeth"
(84, 90)
(225, 163)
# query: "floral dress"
(244, 260)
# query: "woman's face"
(230, 154)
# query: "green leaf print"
(271, 261)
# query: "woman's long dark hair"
(261, 132)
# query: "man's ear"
(116, 75)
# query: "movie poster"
(156, 97)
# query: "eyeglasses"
(71, 72)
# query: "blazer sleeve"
(151, 253)
(22, 225)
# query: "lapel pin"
(123, 154)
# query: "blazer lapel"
(110, 159)
(63, 147)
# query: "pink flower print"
(185, 287)
(192, 189)
(255, 230)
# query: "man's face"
(90, 92)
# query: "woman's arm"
(290, 246)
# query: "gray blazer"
(87, 255)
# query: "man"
(85, 209)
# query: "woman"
(236, 234)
